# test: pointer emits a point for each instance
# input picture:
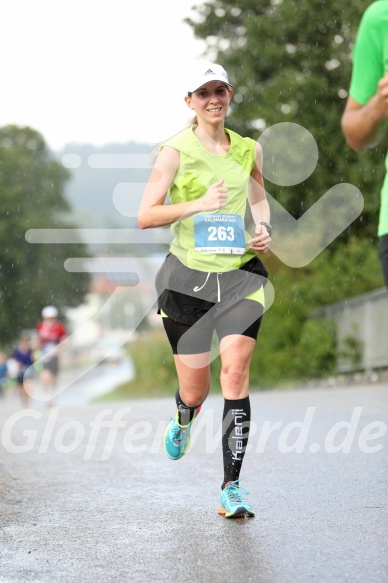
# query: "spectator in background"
(3, 372)
(50, 332)
(23, 356)
(367, 104)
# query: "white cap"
(50, 312)
(205, 72)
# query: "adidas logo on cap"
(205, 73)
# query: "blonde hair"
(194, 121)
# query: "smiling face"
(210, 102)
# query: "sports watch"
(267, 226)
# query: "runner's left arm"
(259, 205)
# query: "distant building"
(121, 298)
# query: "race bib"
(219, 233)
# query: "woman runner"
(212, 279)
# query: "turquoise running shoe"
(232, 503)
(177, 437)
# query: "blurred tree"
(31, 276)
(290, 61)
(291, 345)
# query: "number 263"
(221, 233)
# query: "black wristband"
(267, 226)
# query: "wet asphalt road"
(87, 493)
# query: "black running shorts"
(194, 304)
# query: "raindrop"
(258, 124)
(224, 44)
(285, 108)
(342, 93)
(32, 144)
(220, 12)
(6, 143)
(212, 40)
(241, 42)
(290, 48)
(332, 64)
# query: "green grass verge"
(155, 374)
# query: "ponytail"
(194, 121)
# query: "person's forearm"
(362, 127)
(163, 215)
(160, 215)
(260, 211)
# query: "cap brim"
(210, 81)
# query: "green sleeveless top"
(198, 170)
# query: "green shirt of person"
(367, 104)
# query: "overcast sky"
(96, 71)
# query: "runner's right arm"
(154, 213)
(361, 124)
